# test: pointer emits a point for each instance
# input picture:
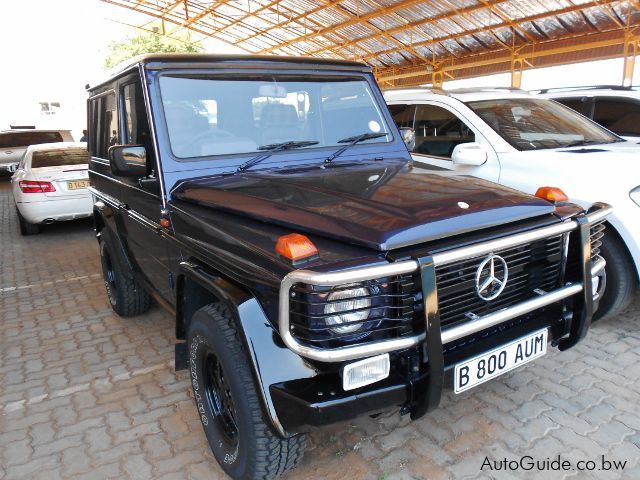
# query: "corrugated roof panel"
(449, 26)
(453, 31)
(412, 35)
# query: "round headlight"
(352, 304)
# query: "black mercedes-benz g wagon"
(270, 204)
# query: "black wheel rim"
(219, 398)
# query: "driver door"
(142, 196)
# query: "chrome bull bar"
(427, 266)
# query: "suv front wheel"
(620, 277)
(228, 405)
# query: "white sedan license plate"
(77, 184)
(496, 362)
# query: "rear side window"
(59, 158)
(403, 115)
(24, 139)
(104, 125)
(579, 104)
(621, 116)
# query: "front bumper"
(313, 402)
(423, 365)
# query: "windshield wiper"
(271, 148)
(350, 141)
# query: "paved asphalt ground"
(86, 394)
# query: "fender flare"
(271, 361)
(104, 215)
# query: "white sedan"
(527, 142)
(50, 185)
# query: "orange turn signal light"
(552, 194)
(295, 247)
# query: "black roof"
(157, 61)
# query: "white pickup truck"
(527, 142)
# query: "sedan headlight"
(355, 304)
(635, 195)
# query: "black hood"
(382, 205)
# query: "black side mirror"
(128, 160)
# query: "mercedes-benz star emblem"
(491, 277)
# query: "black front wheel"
(621, 283)
(242, 441)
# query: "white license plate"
(496, 362)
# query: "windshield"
(208, 116)
(536, 124)
(62, 158)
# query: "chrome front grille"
(533, 266)
(597, 232)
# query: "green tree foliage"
(120, 51)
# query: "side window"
(621, 116)
(438, 131)
(136, 124)
(403, 115)
(579, 104)
(104, 125)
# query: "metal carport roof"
(410, 42)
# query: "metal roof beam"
(410, 25)
(539, 50)
(530, 18)
(302, 16)
(352, 21)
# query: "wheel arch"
(271, 361)
(612, 228)
(198, 286)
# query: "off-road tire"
(259, 453)
(621, 278)
(126, 296)
(27, 228)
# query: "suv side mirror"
(471, 153)
(408, 137)
(128, 160)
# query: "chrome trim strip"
(409, 266)
(452, 256)
(103, 196)
(598, 266)
(331, 279)
(144, 221)
(451, 334)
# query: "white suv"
(527, 142)
(14, 142)
(614, 107)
